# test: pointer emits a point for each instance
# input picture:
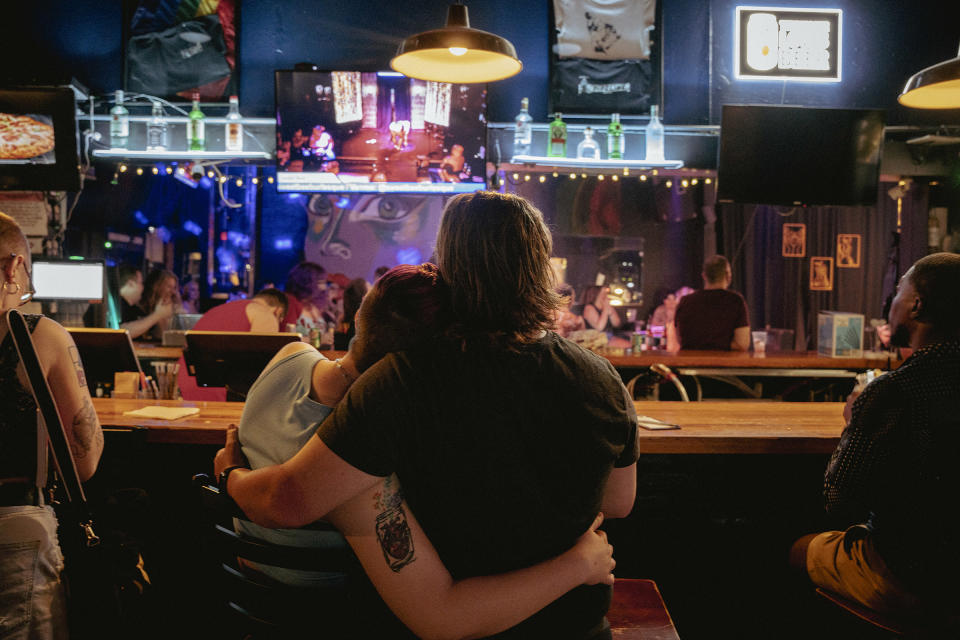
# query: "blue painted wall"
(884, 42)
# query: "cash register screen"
(68, 280)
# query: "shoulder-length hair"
(493, 250)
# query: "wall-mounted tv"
(81, 280)
(785, 155)
(38, 148)
(378, 132)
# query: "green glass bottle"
(558, 137)
(615, 141)
(195, 133)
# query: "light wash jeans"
(32, 598)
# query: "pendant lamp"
(457, 53)
(936, 87)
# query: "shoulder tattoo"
(77, 365)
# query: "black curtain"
(777, 288)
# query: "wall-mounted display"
(794, 240)
(38, 140)
(848, 250)
(821, 273)
(778, 43)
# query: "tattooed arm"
(61, 363)
(410, 577)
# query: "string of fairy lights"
(517, 177)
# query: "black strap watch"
(224, 475)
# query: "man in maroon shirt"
(714, 318)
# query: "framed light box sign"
(778, 43)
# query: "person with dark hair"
(307, 297)
(470, 422)
(259, 314)
(714, 318)
(347, 327)
(32, 598)
(135, 317)
(161, 289)
(893, 479)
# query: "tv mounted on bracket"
(38, 151)
(378, 132)
(784, 155)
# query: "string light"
(668, 184)
(626, 171)
(239, 182)
(526, 177)
(180, 171)
(583, 175)
(707, 181)
(655, 172)
(543, 178)
(600, 177)
(643, 177)
(270, 179)
(684, 183)
(169, 171)
(555, 174)
(573, 176)
(694, 182)
(516, 176)
(156, 171)
(256, 180)
(123, 168)
(210, 174)
(223, 179)
(139, 171)
(614, 177)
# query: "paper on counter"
(646, 422)
(163, 413)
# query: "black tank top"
(18, 416)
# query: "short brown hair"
(937, 280)
(494, 252)
(274, 298)
(715, 269)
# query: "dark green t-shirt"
(503, 455)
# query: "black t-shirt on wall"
(503, 455)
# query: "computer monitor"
(104, 352)
(79, 280)
(231, 359)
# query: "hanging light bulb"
(526, 177)
(600, 177)
(694, 182)
(123, 168)
(668, 184)
(936, 87)
(270, 179)
(457, 53)
(239, 182)
(555, 174)
(614, 177)
(156, 171)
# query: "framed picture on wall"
(794, 240)
(174, 48)
(606, 57)
(821, 273)
(848, 250)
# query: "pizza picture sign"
(26, 139)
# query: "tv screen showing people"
(376, 132)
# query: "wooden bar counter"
(752, 427)
(785, 360)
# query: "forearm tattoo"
(78, 366)
(393, 530)
(86, 435)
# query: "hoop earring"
(16, 288)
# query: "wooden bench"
(637, 612)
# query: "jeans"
(32, 598)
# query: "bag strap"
(47, 406)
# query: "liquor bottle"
(616, 145)
(157, 129)
(523, 133)
(588, 149)
(654, 136)
(119, 123)
(233, 132)
(558, 137)
(195, 134)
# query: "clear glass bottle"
(196, 141)
(233, 131)
(588, 149)
(616, 143)
(523, 133)
(157, 129)
(654, 136)
(119, 123)
(558, 137)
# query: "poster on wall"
(177, 47)
(794, 240)
(355, 234)
(848, 250)
(605, 57)
(821, 273)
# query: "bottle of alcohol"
(558, 137)
(523, 134)
(654, 136)
(157, 129)
(119, 123)
(588, 149)
(616, 144)
(233, 132)
(196, 140)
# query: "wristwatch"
(224, 475)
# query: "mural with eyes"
(356, 234)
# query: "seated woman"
(160, 289)
(407, 306)
(31, 592)
(567, 320)
(600, 315)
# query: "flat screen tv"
(378, 132)
(783, 155)
(68, 279)
(38, 151)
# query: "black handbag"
(105, 579)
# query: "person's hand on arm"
(160, 316)
(468, 608)
(741, 339)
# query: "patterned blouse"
(897, 467)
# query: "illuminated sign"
(775, 43)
